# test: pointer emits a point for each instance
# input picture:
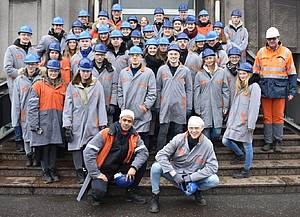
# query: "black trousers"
(100, 187)
(48, 156)
(172, 128)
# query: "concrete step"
(66, 168)
(228, 185)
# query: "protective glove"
(111, 109)
(68, 135)
(178, 179)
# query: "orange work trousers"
(273, 110)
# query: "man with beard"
(55, 34)
(204, 25)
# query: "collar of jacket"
(142, 68)
(17, 42)
(122, 49)
(116, 128)
(201, 137)
(216, 68)
(201, 24)
(105, 65)
(279, 46)
(234, 26)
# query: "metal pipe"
(96, 9)
(217, 10)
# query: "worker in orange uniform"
(278, 79)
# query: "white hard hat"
(195, 121)
(272, 32)
(128, 113)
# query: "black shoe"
(79, 176)
(277, 146)
(133, 196)
(199, 199)
(237, 159)
(267, 147)
(54, 175)
(29, 161)
(242, 174)
(154, 203)
(46, 177)
(20, 146)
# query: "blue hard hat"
(176, 18)
(136, 34)
(58, 21)
(103, 14)
(77, 23)
(121, 181)
(200, 38)
(84, 35)
(173, 46)
(116, 7)
(103, 29)
(53, 64)
(31, 58)
(25, 29)
(135, 50)
(236, 12)
(211, 35)
(148, 28)
(208, 52)
(245, 67)
(125, 24)
(85, 64)
(167, 24)
(71, 37)
(191, 19)
(234, 51)
(151, 41)
(189, 188)
(132, 18)
(183, 7)
(116, 34)
(182, 36)
(83, 13)
(163, 41)
(203, 13)
(101, 48)
(219, 24)
(54, 46)
(159, 11)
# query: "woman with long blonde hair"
(242, 119)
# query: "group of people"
(113, 90)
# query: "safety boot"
(199, 199)
(237, 159)
(267, 147)
(46, 177)
(54, 174)
(242, 174)
(133, 196)
(154, 203)
(20, 146)
(277, 147)
(80, 176)
(29, 160)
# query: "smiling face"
(182, 44)
(102, 20)
(234, 59)
(159, 18)
(85, 75)
(243, 75)
(163, 48)
(58, 28)
(24, 37)
(136, 59)
(77, 30)
(273, 42)
(210, 61)
(152, 50)
(84, 20)
(85, 43)
(177, 25)
(183, 14)
(53, 74)
(173, 56)
(116, 42)
(72, 44)
(195, 132)
(31, 67)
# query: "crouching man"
(116, 155)
(188, 161)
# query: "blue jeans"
(212, 133)
(18, 133)
(157, 172)
(235, 148)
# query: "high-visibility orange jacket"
(277, 72)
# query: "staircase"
(271, 172)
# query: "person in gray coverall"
(188, 158)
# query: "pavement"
(274, 205)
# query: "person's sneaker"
(241, 174)
(46, 178)
(199, 199)
(237, 159)
(132, 195)
(267, 147)
(54, 175)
